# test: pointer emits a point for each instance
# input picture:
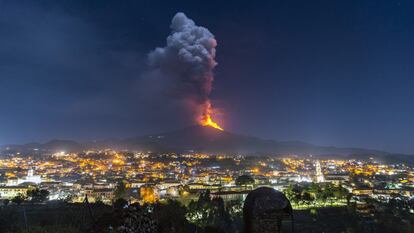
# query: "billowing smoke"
(184, 67)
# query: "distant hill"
(51, 146)
(210, 140)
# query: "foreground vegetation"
(205, 215)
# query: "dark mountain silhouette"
(210, 140)
(51, 146)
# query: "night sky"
(327, 72)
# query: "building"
(319, 174)
(8, 192)
(231, 195)
(102, 194)
(363, 191)
(337, 178)
(201, 186)
(148, 194)
(30, 178)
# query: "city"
(105, 177)
(151, 177)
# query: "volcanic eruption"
(205, 118)
(185, 68)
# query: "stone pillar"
(264, 209)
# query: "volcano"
(206, 139)
(211, 140)
(193, 138)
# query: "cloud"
(183, 69)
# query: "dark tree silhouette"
(19, 199)
(244, 180)
(120, 190)
(6, 202)
(120, 203)
(37, 195)
(170, 218)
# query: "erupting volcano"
(184, 68)
(206, 119)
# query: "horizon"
(333, 74)
(82, 142)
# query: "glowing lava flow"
(206, 120)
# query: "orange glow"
(206, 120)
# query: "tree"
(209, 213)
(120, 203)
(348, 199)
(120, 190)
(340, 192)
(307, 198)
(38, 195)
(6, 202)
(294, 193)
(198, 211)
(68, 198)
(19, 199)
(244, 180)
(219, 218)
(171, 218)
(316, 190)
(235, 210)
(327, 193)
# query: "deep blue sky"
(326, 72)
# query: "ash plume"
(183, 69)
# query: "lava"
(209, 122)
(206, 120)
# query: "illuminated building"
(319, 175)
(148, 194)
(11, 191)
(30, 178)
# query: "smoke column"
(185, 67)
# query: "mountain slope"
(51, 146)
(208, 139)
